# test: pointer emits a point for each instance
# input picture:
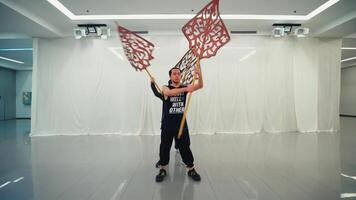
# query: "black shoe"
(157, 164)
(160, 176)
(194, 175)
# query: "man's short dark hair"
(170, 71)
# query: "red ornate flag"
(206, 32)
(137, 50)
(187, 66)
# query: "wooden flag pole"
(187, 106)
(154, 81)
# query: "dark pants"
(183, 146)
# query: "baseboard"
(23, 118)
(343, 115)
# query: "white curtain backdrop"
(254, 84)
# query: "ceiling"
(39, 18)
(16, 49)
(21, 19)
(186, 6)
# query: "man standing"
(160, 96)
(172, 114)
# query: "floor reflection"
(261, 166)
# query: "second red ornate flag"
(206, 32)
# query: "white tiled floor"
(309, 166)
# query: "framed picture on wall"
(26, 98)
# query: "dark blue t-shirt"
(173, 110)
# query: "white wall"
(7, 93)
(23, 84)
(253, 84)
(348, 91)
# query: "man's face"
(175, 76)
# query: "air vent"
(140, 32)
(243, 32)
(283, 25)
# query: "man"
(172, 113)
(160, 96)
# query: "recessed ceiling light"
(5, 184)
(348, 48)
(17, 49)
(18, 179)
(321, 8)
(348, 59)
(348, 176)
(11, 60)
(72, 16)
(347, 195)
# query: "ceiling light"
(287, 29)
(5, 184)
(79, 33)
(348, 59)
(105, 33)
(321, 8)
(91, 29)
(301, 32)
(348, 48)
(347, 195)
(348, 176)
(18, 49)
(62, 8)
(72, 16)
(11, 60)
(278, 32)
(18, 179)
